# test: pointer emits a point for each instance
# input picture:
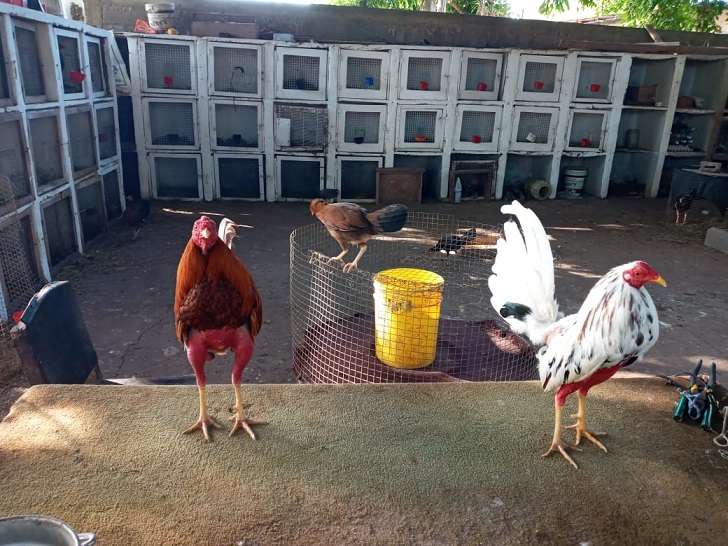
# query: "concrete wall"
(346, 24)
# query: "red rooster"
(616, 325)
(216, 308)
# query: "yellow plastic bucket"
(406, 315)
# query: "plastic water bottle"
(458, 190)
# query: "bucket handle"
(86, 539)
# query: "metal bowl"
(41, 531)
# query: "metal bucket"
(41, 531)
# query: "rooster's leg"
(556, 444)
(580, 426)
(197, 354)
(339, 257)
(243, 352)
(348, 268)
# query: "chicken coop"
(333, 313)
(59, 145)
(422, 106)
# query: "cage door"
(90, 200)
(171, 123)
(299, 178)
(112, 197)
(6, 93)
(419, 128)
(81, 140)
(477, 128)
(69, 56)
(235, 70)
(594, 80)
(534, 129)
(424, 75)
(301, 73)
(106, 131)
(32, 74)
(235, 125)
(357, 178)
(363, 74)
(13, 156)
(361, 128)
(176, 176)
(168, 66)
(539, 78)
(480, 75)
(586, 130)
(239, 176)
(97, 66)
(45, 148)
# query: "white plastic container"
(160, 15)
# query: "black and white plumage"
(682, 205)
(450, 243)
(616, 324)
(135, 214)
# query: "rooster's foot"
(559, 447)
(334, 260)
(582, 432)
(204, 424)
(245, 424)
(348, 268)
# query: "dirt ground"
(126, 288)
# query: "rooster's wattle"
(615, 326)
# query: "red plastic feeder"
(476, 139)
(168, 81)
(76, 76)
(595, 88)
(424, 86)
(482, 86)
(538, 85)
(585, 143)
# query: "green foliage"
(695, 15)
(466, 7)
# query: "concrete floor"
(126, 288)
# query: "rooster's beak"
(659, 280)
(205, 233)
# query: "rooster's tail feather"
(389, 219)
(227, 231)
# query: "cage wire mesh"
(172, 123)
(29, 58)
(168, 66)
(106, 128)
(177, 177)
(45, 149)
(594, 80)
(236, 125)
(533, 127)
(60, 231)
(91, 211)
(301, 178)
(80, 135)
(539, 77)
(96, 66)
(301, 72)
(334, 315)
(477, 126)
(239, 177)
(4, 87)
(419, 126)
(236, 70)
(309, 124)
(361, 127)
(359, 179)
(480, 75)
(586, 130)
(12, 160)
(424, 73)
(20, 279)
(112, 199)
(363, 73)
(70, 64)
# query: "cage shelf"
(689, 135)
(361, 128)
(59, 230)
(12, 154)
(171, 123)
(81, 140)
(357, 177)
(641, 129)
(594, 79)
(45, 147)
(423, 75)
(534, 128)
(632, 172)
(650, 81)
(521, 169)
(176, 176)
(419, 128)
(69, 55)
(586, 130)
(168, 66)
(300, 127)
(477, 128)
(480, 78)
(301, 73)
(106, 131)
(299, 178)
(363, 74)
(235, 69)
(539, 78)
(235, 125)
(594, 179)
(239, 176)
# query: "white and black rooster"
(616, 325)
